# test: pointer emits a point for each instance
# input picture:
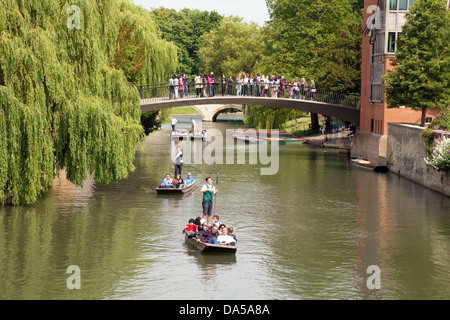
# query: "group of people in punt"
(205, 230)
(177, 182)
(217, 233)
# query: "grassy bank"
(302, 127)
(183, 110)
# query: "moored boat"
(369, 165)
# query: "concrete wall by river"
(405, 156)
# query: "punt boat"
(370, 165)
(209, 248)
(183, 190)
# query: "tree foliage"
(233, 47)
(65, 100)
(262, 117)
(421, 76)
(304, 35)
(185, 28)
(318, 40)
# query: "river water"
(309, 232)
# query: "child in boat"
(216, 221)
(190, 227)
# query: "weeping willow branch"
(66, 100)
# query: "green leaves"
(302, 31)
(65, 97)
(233, 47)
(185, 28)
(421, 77)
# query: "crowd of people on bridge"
(206, 85)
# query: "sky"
(249, 10)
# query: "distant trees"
(232, 47)
(318, 40)
(185, 28)
(421, 76)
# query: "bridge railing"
(164, 92)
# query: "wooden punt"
(370, 165)
(209, 248)
(186, 189)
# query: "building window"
(391, 42)
(393, 5)
(403, 5)
(411, 3)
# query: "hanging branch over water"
(64, 103)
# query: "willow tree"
(63, 101)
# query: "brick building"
(378, 50)
(383, 21)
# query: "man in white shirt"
(174, 122)
(178, 161)
(224, 238)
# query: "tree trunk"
(315, 122)
(424, 115)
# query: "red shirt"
(191, 227)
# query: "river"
(309, 232)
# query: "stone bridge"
(156, 97)
(209, 112)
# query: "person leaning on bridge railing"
(303, 88)
(186, 85)
(230, 85)
(180, 87)
(238, 84)
(204, 84)
(198, 84)
(312, 89)
(172, 87)
(223, 82)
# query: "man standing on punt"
(208, 191)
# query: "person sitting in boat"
(209, 236)
(216, 221)
(190, 227)
(221, 226)
(178, 182)
(167, 182)
(225, 239)
(188, 180)
(203, 225)
(231, 231)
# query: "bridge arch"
(223, 108)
